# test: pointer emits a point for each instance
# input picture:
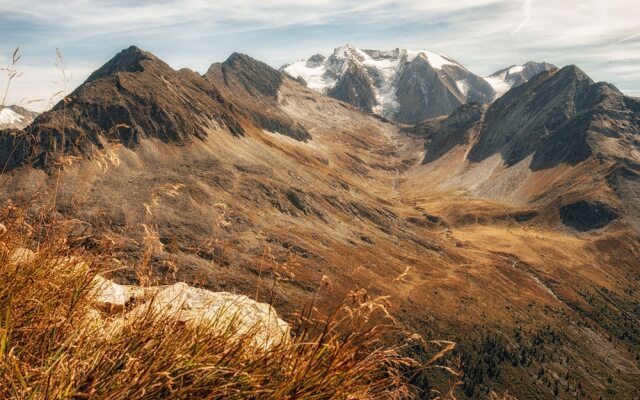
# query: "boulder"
(21, 255)
(109, 296)
(225, 312)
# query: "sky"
(600, 36)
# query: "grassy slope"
(52, 345)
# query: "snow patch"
(435, 60)
(8, 116)
(503, 81)
(316, 77)
(516, 68)
(463, 87)
(385, 91)
(499, 84)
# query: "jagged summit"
(571, 73)
(564, 87)
(405, 85)
(236, 56)
(255, 86)
(136, 96)
(130, 59)
(253, 75)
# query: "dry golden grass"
(12, 73)
(51, 348)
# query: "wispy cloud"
(527, 4)
(629, 38)
(601, 36)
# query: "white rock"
(221, 311)
(21, 255)
(109, 295)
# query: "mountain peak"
(130, 59)
(133, 97)
(236, 57)
(349, 52)
(574, 72)
(252, 74)
(255, 85)
(535, 63)
(392, 83)
(133, 50)
(347, 46)
(551, 118)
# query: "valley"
(245, 180)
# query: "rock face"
(402, 85)
(505, 79)
(560, 118)
(457, 129)
(16, 117)
(221, 311)
(424, 91)
(354, 87)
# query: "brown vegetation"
(51, 347)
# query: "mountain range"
(510, 224)
(403, 85)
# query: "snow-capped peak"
(349, 51)
(8, 116)
(322, 73)
(505, 79)
(353, 53)
(435, 60)
(403, 85)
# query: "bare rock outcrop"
(225, 312)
